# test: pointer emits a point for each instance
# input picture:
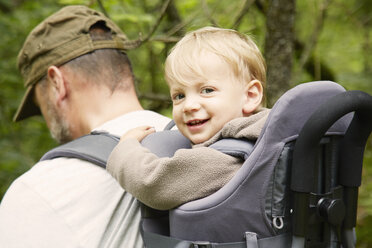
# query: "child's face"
(201, 108)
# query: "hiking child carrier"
(298, 186)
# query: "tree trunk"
(279, 45)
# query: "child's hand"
(138, 133)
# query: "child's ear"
(254, 94)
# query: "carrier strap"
(241, 148)
(95, 148)
(153, 240)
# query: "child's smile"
(196, 125)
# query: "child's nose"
(191, 104)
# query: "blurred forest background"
(301, 40)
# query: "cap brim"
(27, 108)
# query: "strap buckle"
(200, 244)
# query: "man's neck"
(97, 107)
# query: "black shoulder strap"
(95, 147)
(240, 148)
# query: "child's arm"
(165, 183)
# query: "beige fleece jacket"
(165, 183)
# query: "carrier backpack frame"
(297, 188)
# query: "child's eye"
(178, 97)
(207, 90)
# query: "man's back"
(68, 202)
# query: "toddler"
(216, 78)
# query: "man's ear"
(58, 83)
(254, 94)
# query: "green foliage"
(21, 144)
(74, 2)
(343, 46)
(364, 220)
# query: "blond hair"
(237, 50)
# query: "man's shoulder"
(71, 193)
(53, 178)
(124, 123)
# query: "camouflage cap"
(61, 37)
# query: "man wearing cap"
(79, 78)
